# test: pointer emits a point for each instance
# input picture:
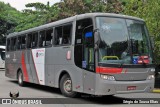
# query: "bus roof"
(108, 14)
(67, 20)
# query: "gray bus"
(93, 53)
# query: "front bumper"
(105, 87)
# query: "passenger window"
(49, 37)
(19, 43)
(58, 36)
(23, 41)
(62, 35)
(13, 44)
(34, 40)
(42, 38)
(29, 41)
(67, 31)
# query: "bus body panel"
(89, 82)
(12, 64)
(132, 74)
(18, 60)
(56, 65)
(25, 66)
(126, 74)
(104, 87)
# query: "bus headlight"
(107, 77)
(150, 77)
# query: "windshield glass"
(140, 42)
(123, 41)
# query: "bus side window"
(62, 34)
(23, 45)
(42, 38)
(48, 41)
(13, 44)
(58, 36)
(67, 31)
(29, 38)
(34, 40)
(19, 43)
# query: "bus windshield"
(123, 41)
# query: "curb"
(156, 90)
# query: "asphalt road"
(8, 85)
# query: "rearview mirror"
(97, 40)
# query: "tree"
(41, 14)
(9, 18)
(73, 7)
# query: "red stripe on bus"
(35, 67)
(108, 70)
(24, 68)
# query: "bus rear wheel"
(20, 78)
(66, 86)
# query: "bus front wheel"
(20, 78)
(66, 86)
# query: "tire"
(20, 78)
(66, 86)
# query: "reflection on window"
(139, 41)
(113, 47)
(138, 38)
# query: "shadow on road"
(39, 87)
(82, 99)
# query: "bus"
(2, 57)
(93, 53)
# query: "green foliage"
(40, 15)
(73, 7)
(9, 18)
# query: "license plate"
(131, 88)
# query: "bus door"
(88, 61)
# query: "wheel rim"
(68, 86)
(20, 78)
